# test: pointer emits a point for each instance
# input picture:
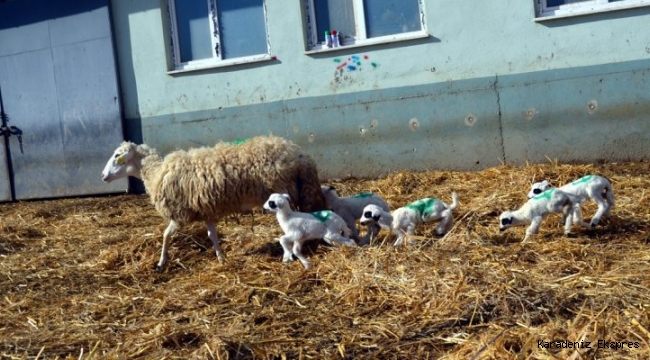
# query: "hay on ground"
(77, 280)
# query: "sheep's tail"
(454, 201)
(310, 195)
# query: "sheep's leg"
(533, 228)
(400, 236)
(214, 237)
(370, 233)
(577, 216)
(410, 229)
(568, 219)
(603, 207)
(445, 223)
(287, 245)
(297, 250)
(332, 236)
(169, 231)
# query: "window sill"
(588, 11)
(374, 41)
(207, 65)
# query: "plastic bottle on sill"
(328, 39)
(336, 42)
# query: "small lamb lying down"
(351, 208)
(591, 186)
(403, 221)
(537, 208)
(299, 227)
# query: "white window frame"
(217, 59)
(546, 12)
(313, 46)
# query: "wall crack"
(495, 86)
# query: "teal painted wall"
(489, 85)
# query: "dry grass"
(77, 280)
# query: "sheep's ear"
(376, 217)
(545, 183)
(286, 196)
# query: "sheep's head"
(506, 220)
(371, 214)
(276, 202)
(122, 163)
(538, 188)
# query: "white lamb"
(590, 186)
(536, 209)
(403, 221)
(351, 208)
(205, 183)
(299, 227)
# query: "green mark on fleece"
(545, 195)
(322, 215)
(422, 206)
(239, 141)
(583, 179)
(362, 195)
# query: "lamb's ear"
(545, 183)
(286, 196)
(376, 217)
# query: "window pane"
(334, 15)
(193, 29)
(242, 28)
(554, 3)
(387, 17)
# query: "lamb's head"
(538, 188)
(124, 162)
(371, 214)
(329, 192)
(276, 202)
(507, 219)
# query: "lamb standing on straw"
(587, 187)
(403, 221)
(536, 209)
(204, 183)
(351, 208)
(300, 227)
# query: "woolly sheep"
(537, 208)
(587, 187)
(404, 220)
(351, 208)
(204, 183)
(299, 227)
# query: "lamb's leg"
(577, 216)
(568, 219)
(212, 234)
(532, 229)
(603, 208)
(287, 245)
(446, 223)
(332, 236)
(297, 250)
(410, 230)
(169, 231)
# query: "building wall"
(490, 85)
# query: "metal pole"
(6, 134)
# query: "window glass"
(242, 28)
(387, 17)
(193, 30)
(334, 15)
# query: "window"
(564, 8)
(363, 22)
(207, 33)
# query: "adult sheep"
(204, 183)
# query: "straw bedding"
(77, 280)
